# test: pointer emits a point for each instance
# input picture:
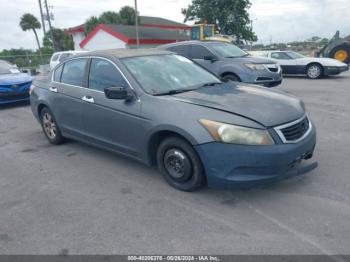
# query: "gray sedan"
(230, 62)
(160, 108)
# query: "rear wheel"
(314, 71)
(341, 53)
(180, 164)
(50, 128)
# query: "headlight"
(232, 134)
(255, 66)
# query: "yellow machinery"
(206, 32)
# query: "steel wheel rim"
(314, 71)
(177, 165)
(49, 126)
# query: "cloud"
(283, 20)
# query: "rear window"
(65, 56)
(73, 72)
(183, 50)
(55, 57)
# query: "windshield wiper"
(179, 91)
(174, 92)
(209, 84)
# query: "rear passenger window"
(65, 56)
(55, 57)
(57, 74)
(199, 52)
(183, 50)
(73, 72)
(104, 74)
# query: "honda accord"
(161, 108)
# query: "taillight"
(31, 88)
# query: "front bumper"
(265, 78)
(335, 70)
(7, 97)
(14, 93)
(238, 166)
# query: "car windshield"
(227, 50)
(7, 68)
(164, 74)
(295, 55)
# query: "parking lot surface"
(76, 199)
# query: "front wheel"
(50, 128)
(180, 164)
(230, 77)
(314, 71)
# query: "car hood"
(10, 79)
(251, 60)
(323, 61)
(267, 107)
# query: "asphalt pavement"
(76, 199)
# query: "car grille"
(295, 131)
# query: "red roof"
(127, 34)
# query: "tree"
(127, 15)
(63, 41)
(90, 24)
(30, 22)
(109, 18)
(231, 17)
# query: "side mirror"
(210, 58)
(120, 93)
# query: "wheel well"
(230, 73)
(40, 108)
(155, 141)
(315, 63)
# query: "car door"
(110, 122)
(289, 65)
(67, 91)
(198, 53)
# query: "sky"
(276, 20)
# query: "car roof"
(196, 42)
(125, 53)
(70, 51)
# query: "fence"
(27, 61)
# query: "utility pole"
(48, 16)
(42, 17)
(136, 25)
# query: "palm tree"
(30, 22)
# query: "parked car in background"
(229, 62)
(59, 57)
(296, 63)
(14, 85)
(161, 108)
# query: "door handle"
(53, 89)
(88, 99)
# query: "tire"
(314, 71)
(50, 127)
(180, 164)
(341, 53)
(231, 77)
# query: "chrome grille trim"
(279, 129)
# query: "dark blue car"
(14, 85)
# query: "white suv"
(58, 57)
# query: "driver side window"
(280, 56)
(104, 74)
